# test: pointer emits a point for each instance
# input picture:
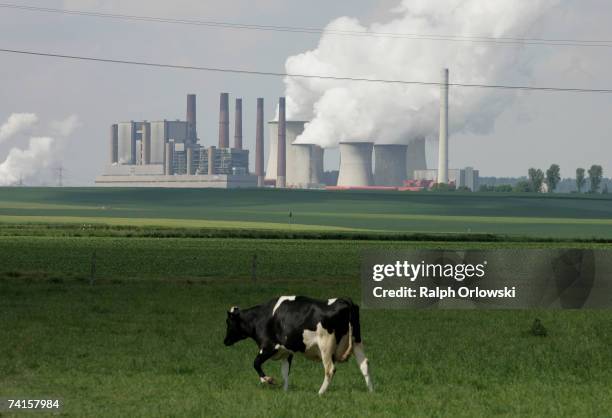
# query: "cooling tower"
(415, 157)
(259, 143)
(293, 129)
(281, 167)
(238, 125)
(307, 165)
(389, 165)
(443, 142)
(146, 143)
(224, 120)
(192, 135)
(355, 164)
(114, 144)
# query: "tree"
(536, 179)
(553, 177)
(503, 188)
(595, 175)
(522, 187)
(580, 180)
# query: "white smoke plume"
(16, 123)
(41, 152)
(23, 164)
(398, 113)
(65, 127)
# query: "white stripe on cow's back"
(331, 301)
(281, 300)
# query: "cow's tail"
(354, 330)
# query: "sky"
(535, 130)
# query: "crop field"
(535, 215)
(146, 338)
(115, 302)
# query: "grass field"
(154, 348)
(146, 338)
(565, 216)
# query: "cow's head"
(235, 327)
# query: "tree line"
(539, 181)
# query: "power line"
(294, 75)
(320, 31)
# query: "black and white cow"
(328, 331)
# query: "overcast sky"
(536, 130)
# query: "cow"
(323, 330)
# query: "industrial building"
(464, 177)
(168, 154)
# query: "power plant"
(168, 153)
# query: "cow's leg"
(285, 368)
(362, 362)
(327, 350)
(262, 357)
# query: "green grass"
(146, 339)
(560, 216)
(154, 348)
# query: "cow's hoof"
(268, 380)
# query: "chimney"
(146, 143)
(114, 144)
(259, 143)
(281, 168)
(211, 161)
(192, 135)
(224, 121)
(168, 158)
(443, 142)
(238, 125)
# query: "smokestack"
(114, 144)
(192, 135)
(443, 142)
(238, 125)
(211, 161)
(281, 168)
(146, 143)
(189, 158)
(355, 164)
(168, 158)
(259, 143)
(224, 121)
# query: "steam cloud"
(16, 123)
(41, 152)
(22, 164)
(395, 113)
